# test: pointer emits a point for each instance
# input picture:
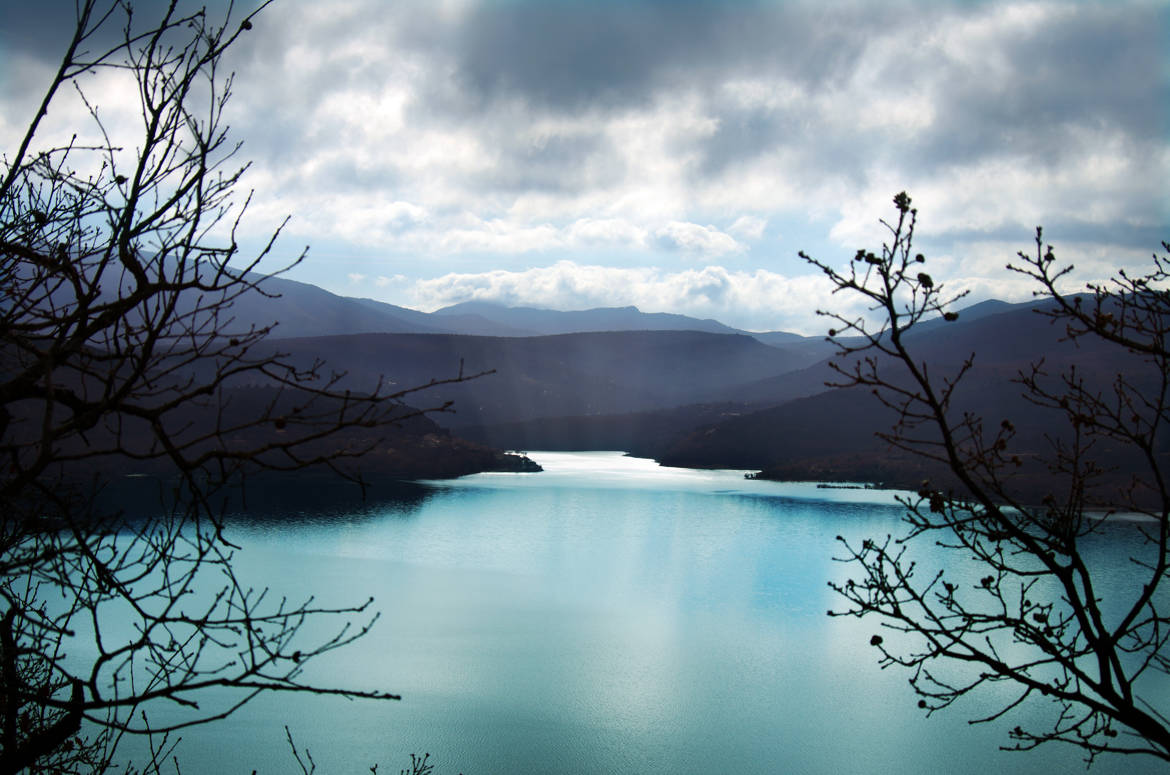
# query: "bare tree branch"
(1035, 619)
(119, 351)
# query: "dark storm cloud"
(43, 29)
(676, 132)
(40, 30)
(1064, 230)
(33, 36)
(1095, 70)
(567, 164)
(1039, 91)
(663, 107)
(575, 55)
(603, 60)
(1032, 91)
(1094, 66)
(743, 135)
(37, 34)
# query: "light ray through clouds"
(676, 156)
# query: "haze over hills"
(547, 321)
(303, 310)
(536, 377)
(833, 434)
(682, 390)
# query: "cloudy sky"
(677, 155)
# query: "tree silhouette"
(119, 267)
(1034, 618)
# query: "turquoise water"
(606, 615)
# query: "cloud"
(579, 56)
(663, 133)
(693, 238)
(613, 232)
(760, 300)
(757, 300)
(530, 117)
(748, 227)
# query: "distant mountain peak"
(465, 307)
(550, 321)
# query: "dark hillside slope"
(812, 349)
(832, 435)
(258, 428)
(553, 376)
(1001, 335)
(300, 309)
(642, 434)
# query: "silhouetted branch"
(1035, 618)
(119, 351)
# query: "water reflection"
(606, 615)
(274, 498)
(322, 499)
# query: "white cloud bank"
(759, 300)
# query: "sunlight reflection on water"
(605, 615)
(616, 470)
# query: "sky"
(675, 156)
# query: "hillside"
(685, 391)
(547, 321)
(642, 434)
(832, 435)
(412, 447)
(301, 310)
(601, 373)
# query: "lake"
(606, 615)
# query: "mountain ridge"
(664, 388)
(296, 309)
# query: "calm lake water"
(606, 615)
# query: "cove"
(605, 615)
